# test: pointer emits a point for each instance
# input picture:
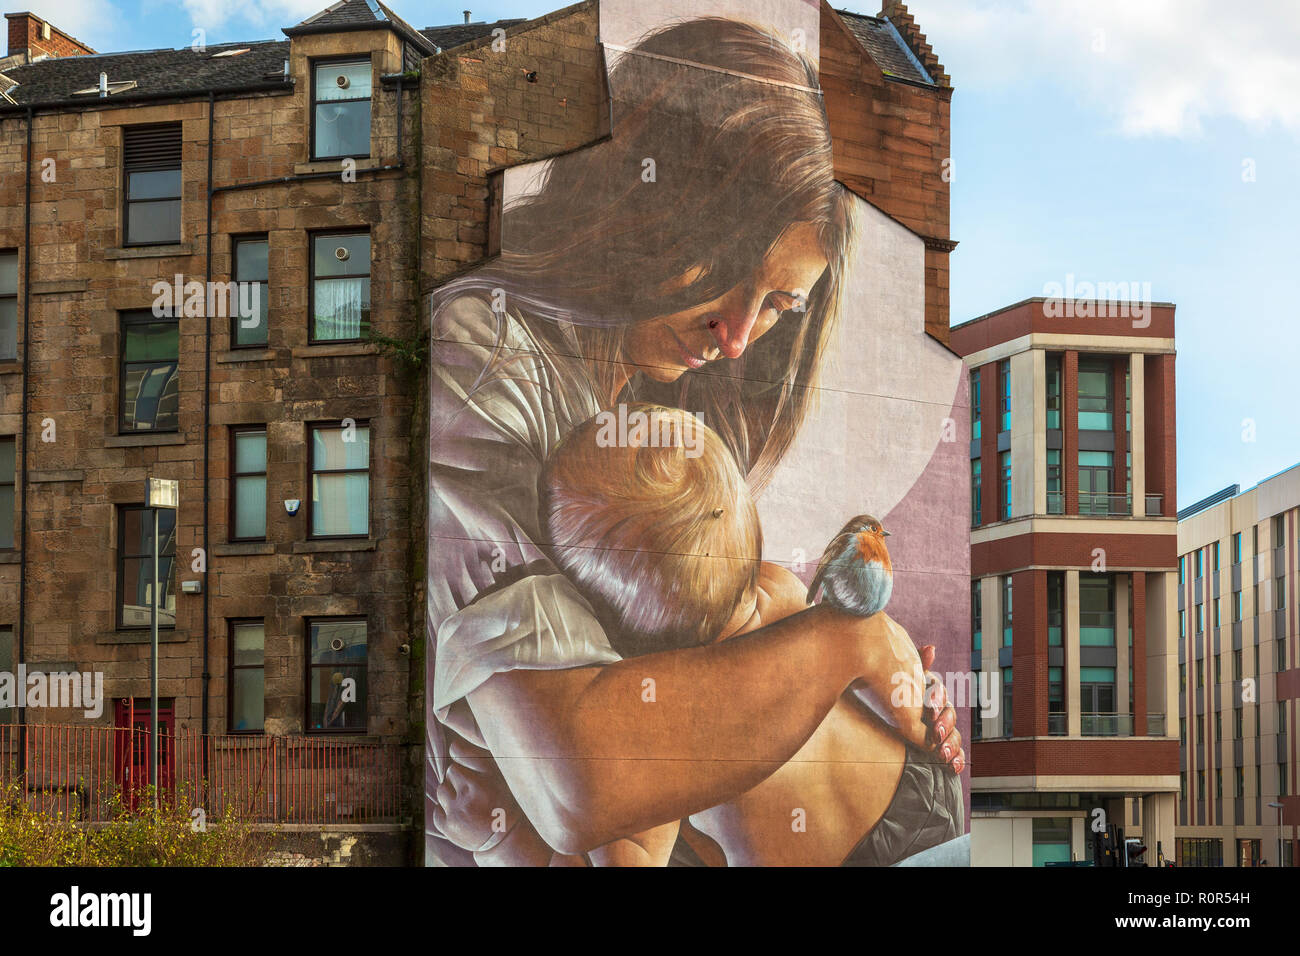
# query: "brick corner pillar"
(989, 419)
(1029, 653)
(1138, 656)
(1070, 430)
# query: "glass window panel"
(350, 635)
(331, 453)
(152, 341)
(329, 710)
(343, 129)
(8, 459)
(153, 222)
(250, 260)
(342, 309)
(9, 273)
(250, 507)
(250, 642)
(6, 516)
(249, 705)
(1097, 675)
(250, 452)
(154, 184)
(8, 328)
(356, 76)
(1097, 459)
(151, 399)
(340, 504)
(326, 263)
(251, 326)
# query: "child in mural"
(662, 537)
(710, 286)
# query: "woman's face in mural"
(667, 346)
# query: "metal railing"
(1057, 725)
(1106, 725)
(1155, 725)
(1093, 503)
(1056, 502)
(1155, 506)
(78, 769)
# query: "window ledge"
(334, 544)
(332, 351)
(144, 440)
(11, 557)
(245, 355)
(10, 366)
(232, 548)
(141, 636)
(335, 165)
(150, 252)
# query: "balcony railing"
(1155, 506)
(1092, 503)
(1106, 725)
(1058, 725)
(1155, 725)
(1055, 503)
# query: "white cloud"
(214, 14)
(1161, 67)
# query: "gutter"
(99, 103)
(207, 423)
(22, 431)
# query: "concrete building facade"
(1073, 537)
(1238, 681)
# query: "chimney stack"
(33, 37)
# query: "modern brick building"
(1073, 565)
(343, 172)
(1236, 632)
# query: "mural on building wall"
(695, 378)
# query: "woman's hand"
(940, 716)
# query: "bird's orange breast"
(871, 547)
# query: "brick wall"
(25, 35)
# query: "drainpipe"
(207, 421)
(22, 443)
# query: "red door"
(133, 750)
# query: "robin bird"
(855, 573)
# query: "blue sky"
(1102, 139)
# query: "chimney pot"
(467, 13)
(103, 84)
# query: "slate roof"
(359, 15)
(457, 34)
(886, 47)
(155, 72)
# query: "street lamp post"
(159, 493)
(1278, 808)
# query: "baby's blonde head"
(655, 525)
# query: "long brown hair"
(733, 123)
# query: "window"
(8, 469)
(149, 376)
(1255, 590)
(1182, 678)
(1236, 606)
(340, 109)
(1200, 618)
(1218, 726)
(1004, 466)
(1056, 690)
(1218, 668)
(1096, 610)
(1280, 644)
(248, 476)
(976, 614)
(1055, 498)
(250, 271)
(1004, 388)
(1200, 851)
(1096, 482)
(1200, 563)
(1216, 555)
(1236, 548)
(247, 677)
(1236, 664)
(336, 675)
(975, 405)
(8, 305)
(1055, 607)
(340, 288)
(1254, 539)
(1279, 530)
(1218, 622)
(1200, 785)
(1006, 610)
(1051, 840)
(1200, 674)
(135, 566)
(1238, 724)
(1007, 723)
(976, 493)
(1239, 783)
(340, 481)
(1054, 391)
(1182, 569)
(8, 665)
(151, 169)
(1279, 589)
(1182, 623)
(1218, 783)
(1095, 412)
(1281, 779)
